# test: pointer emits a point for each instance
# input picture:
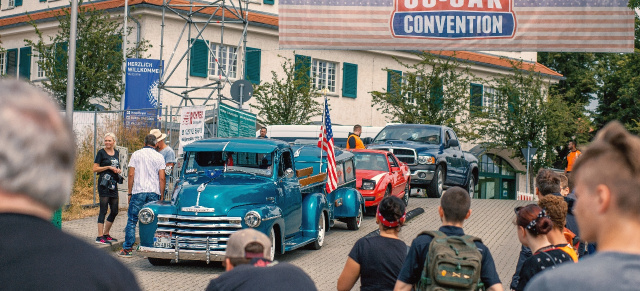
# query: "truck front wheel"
(316, 245)
(353, 223)
(272, 238)
(437, 184)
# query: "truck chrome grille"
(407, 156)
(195, 233)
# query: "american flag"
(326, 143)
(541, 25)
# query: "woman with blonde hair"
(107, 165)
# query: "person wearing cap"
(166, 152)
(248, 269)
(377, 260)
(454, 209)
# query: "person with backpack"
(533, 224)
(377, 260)
(448, 258)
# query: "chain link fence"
(130, 127)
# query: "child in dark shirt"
(377, 260)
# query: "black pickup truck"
(433, 154)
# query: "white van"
(311, 133)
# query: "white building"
(350, 75)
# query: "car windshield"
(239, 162)
(418, 134)
(371, 161)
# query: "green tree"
(432, 91)
(580, 83)
(619, 95)
(98, 75)
(288, 100)
(526, 112)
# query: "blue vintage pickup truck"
(433, 154)
(229, 184)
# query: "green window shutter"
(476, 98)
(25, 63)
(349, 80)
(199, 59)
(43, 0)
(12, 62)
(302, 64)
(270, 2)
(17, 3)
(437, 93)
(394, 81)
(62, 59)
(252, 63)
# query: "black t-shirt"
(540, 261)
(380, 260)
(103, 159)
(35, 255)
(414, 263)
(263, 275)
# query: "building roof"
(272, 20)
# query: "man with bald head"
(37, 159)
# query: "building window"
(11, 3)
(489, 99)
(40, 69)
(324, 75)
(227, 62)
(2, 63)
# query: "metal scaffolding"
(217, 13)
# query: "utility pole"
(124, 54)
(71, 68)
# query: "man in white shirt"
(146, 182)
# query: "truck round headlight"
(252, 219)
(146, 215)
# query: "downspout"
(137, 32)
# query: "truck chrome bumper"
(421, 176)
(172, 254)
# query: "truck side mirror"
(453, 143)
(367, 140)
(288, 173)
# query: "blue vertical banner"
(141, 92)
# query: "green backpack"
(453, 263)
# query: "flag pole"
(323, 127)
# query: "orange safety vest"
(359, 144)
(571, 159)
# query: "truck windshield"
(423, 135)
(371, 161)
(242, 162)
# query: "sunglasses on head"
(517, 209)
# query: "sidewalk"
(87, 230)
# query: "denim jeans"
(136, 203)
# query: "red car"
(380, 174)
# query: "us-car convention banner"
(234, 122)
(495, 25)
(191, 125)
(141, 91)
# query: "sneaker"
(125, 253)
(102, 240)
(109, 238)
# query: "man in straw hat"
(166, 152)
(248, 268)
